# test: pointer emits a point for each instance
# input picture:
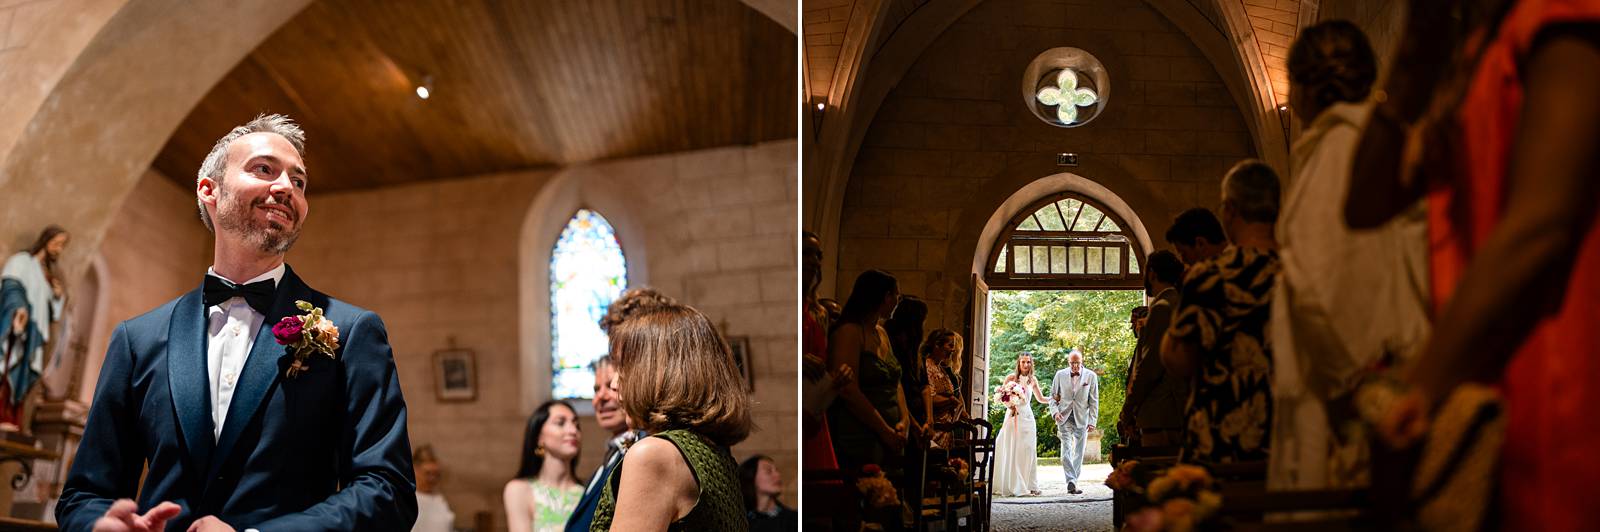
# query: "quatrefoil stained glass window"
(1066, 87)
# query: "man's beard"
(236, 216)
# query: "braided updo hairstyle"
(1334, 62)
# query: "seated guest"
(1156, 397)
(433, 512)
(868, 422)
(1346, 299)
(546, 489)
(942, 349)
(1218, 331)
(762, 483)
(680, 385)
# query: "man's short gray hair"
(1252, 188)
(217, 160)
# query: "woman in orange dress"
(1490, 112)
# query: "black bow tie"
(1074, 374)
(258, 294)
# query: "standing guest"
(1157, 397)
(869, 422)
(944, 404)
(607, 403)
(821, 387)
(905, 339)
(1344, 298)
(1197, 235)
(433, 512)
(1495, 120)
(1126, 430)
(762, 483)
(1218, 333)
(546, 488)
(609, 415)
(679, 383)
(252, 401)
(33, 274)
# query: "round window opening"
(1066, 87)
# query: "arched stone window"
(587, 273)
(1065, 240)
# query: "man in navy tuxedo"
(197, 390)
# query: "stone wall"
(1382, 20)
(954, 140)
(154, 251)
(441, 260)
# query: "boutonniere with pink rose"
(305, 335)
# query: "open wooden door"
(978, 375)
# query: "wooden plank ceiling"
(516, 85)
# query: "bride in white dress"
(1016, 447)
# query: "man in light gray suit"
(1075, 393)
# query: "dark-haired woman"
(546, 489)
(762, 483)
(869, 422)
(1344, 298)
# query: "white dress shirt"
(231, 328)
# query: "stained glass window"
(587, 273)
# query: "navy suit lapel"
(260, 368)
(187, 378)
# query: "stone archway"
(94, 131)
(550, 211)
(977, 354)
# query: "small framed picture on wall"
(455, 374)
(740, 346)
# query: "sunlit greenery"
(1049, 324)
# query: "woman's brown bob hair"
(676, 372)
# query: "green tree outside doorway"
(1049, 324)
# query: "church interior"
(944, 141)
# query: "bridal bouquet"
(1009, 394)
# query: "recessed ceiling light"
(425, 90)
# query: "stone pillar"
(1091, 448)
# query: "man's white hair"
(1075, 353)
(217, 160)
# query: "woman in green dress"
(679, 384)
(544, 492)
(869, 421)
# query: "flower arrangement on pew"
(960, 467)
(1179, 499)
(876, 490)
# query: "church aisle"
(1054, 509)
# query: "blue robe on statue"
(19, 366)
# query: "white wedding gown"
(1016, 451)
